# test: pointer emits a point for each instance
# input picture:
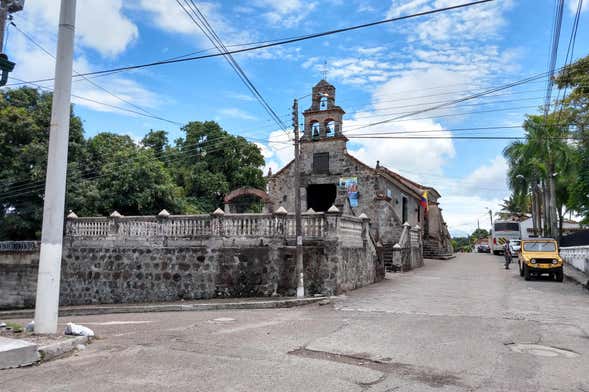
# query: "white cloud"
(478, 22)
(573, 5)
(426, 156)
(488, 180)
(286, 13)
(277, 152)
(100, 25)
(461, 212)
(399, 8)
(173, 19)
(371, 51)
(236, 113)
(33, 63)
(466, 200)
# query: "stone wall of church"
(385, 215)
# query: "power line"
(282, 42)
(460, 137)
(439, 130)
(557, 24)
(102, 103)
(212, 36)
(570, 51)
(453, 102)
(38, 45)
(38, 186)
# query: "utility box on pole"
(15, 5)
(6, 7)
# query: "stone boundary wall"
(129, 259)
(18, 277)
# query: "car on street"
(483, 248)
(515, 246)
(540, 256)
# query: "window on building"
(321, 163)
(330, 128)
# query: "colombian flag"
(423, 201)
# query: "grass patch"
(15, 327)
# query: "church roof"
(323, 83)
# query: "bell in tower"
(324, 118)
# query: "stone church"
(330, 176)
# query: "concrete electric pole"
(298, 219)
(47, 302)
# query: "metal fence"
(19, 246)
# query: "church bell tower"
(323, 120)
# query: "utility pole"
(298, 219)
(491, 218)
(478, 225)
(3, 15)
(47, 301)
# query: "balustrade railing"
(315, 226)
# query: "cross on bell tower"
(324, 71)
(323, 119)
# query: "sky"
(379, 72)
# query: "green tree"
(25, 116)
(111, 172)
(537, 162)
(478, 234)
(157, 141)
(209, 162)
(575, 78)
(134, 182)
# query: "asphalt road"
(460, 325)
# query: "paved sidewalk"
(181, 306)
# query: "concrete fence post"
(163, 222)
(217, 223)
(113, 225)
(365, 228)
(332, 215)
(281, 215)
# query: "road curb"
(58, 349)
(576, 276)
(15, 353)
(190, 307)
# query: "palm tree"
(536, 162)
(525, 176)
(516, 205)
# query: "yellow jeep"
(539, 256)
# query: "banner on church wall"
(351, 185)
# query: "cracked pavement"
(449, 326)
